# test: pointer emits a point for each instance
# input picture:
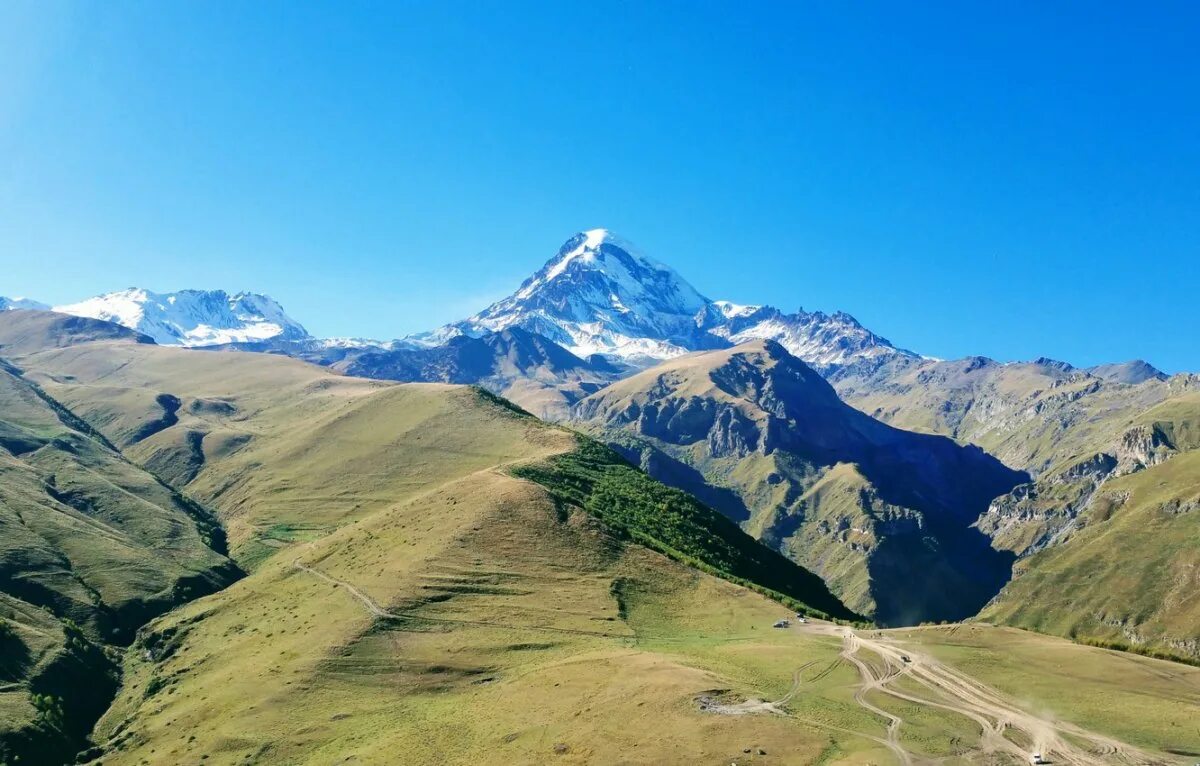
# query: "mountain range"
(884, 515)
(574, 337)
(597, 296)
(184, 318)
(226, 528)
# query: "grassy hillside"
(475, 618)
(595, 478)
(495, 590)
(413, 601)
(55, 682)
(1046, 511)
(1106, 553)
(91, 547)
(1113, 538)
(308, 427)
(1129, 576)
(23, 332)
(87, 534)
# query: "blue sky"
(1006, 179)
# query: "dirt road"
(881, 662)
(946, 688)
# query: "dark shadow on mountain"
(948, 574)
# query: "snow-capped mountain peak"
(731, 310)
(8, 304)
(598, 255)
(600, 295)
(192, 317)
(585, 251)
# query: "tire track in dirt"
(954, 691)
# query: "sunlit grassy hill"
(1129, 576)
(405, 495)
(91, 547)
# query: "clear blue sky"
(1005, 179)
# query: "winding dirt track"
(947, 689)
(951, 690)
(872, 681)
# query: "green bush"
(1145, 651)
(50, 713)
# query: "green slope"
(1110, 537)
(1129, 576)
(55, 682)
(88, 534)
(91, 547)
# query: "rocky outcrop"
(1044, 512)
(1034, 416)
(1141, 447)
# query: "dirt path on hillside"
(946, 688)
(880, 662)
(870, 681)
(376, 610)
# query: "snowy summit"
(192, 317)
(10, 304)
(600, 295)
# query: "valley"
(599, 384)
(883, 515)
(505, 540)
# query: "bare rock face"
(1045, 512)
(734, 434)
(1141, 447)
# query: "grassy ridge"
(598, 480)
(91, 547)
(1127, 577)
